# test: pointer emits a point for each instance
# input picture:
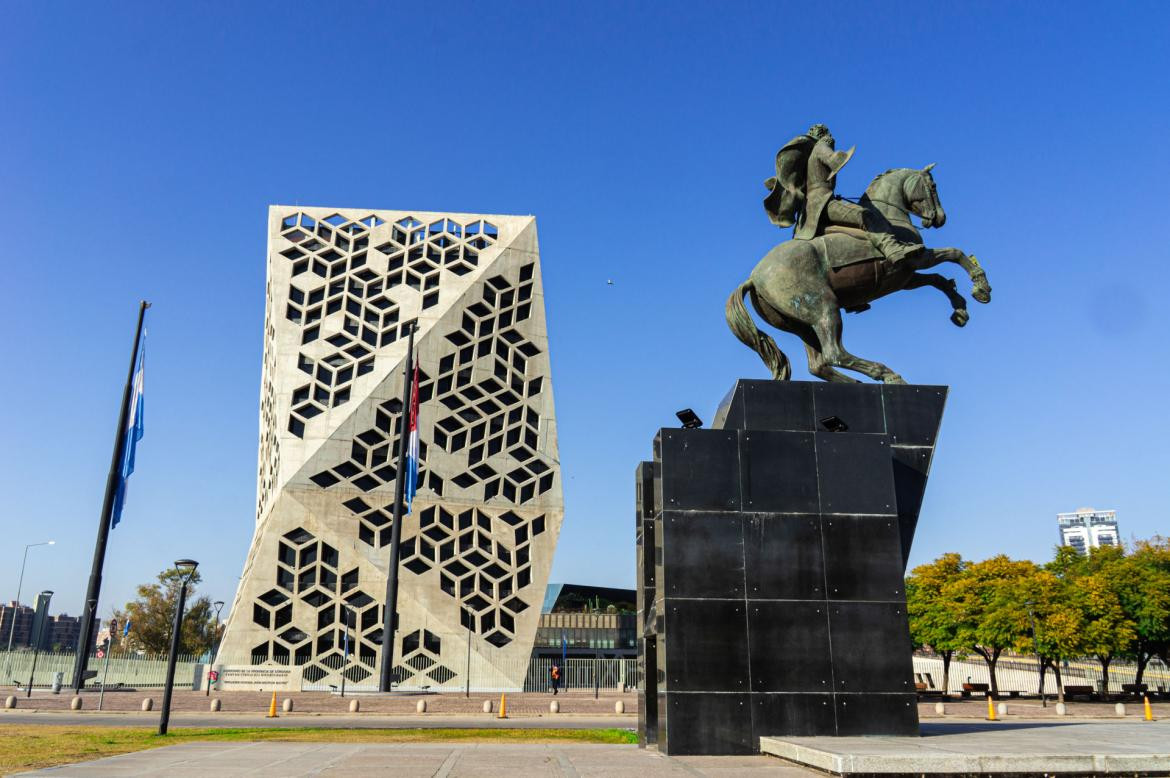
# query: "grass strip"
(29, 747)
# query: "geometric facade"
(343, 288)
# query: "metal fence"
(123, 670)
(1021, 674)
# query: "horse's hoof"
(981, 294)
(960, 318)
(894, 378)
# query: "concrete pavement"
(227, 760)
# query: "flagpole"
(391, 604)
(85, 639)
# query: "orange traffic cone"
(272, 707)
(503, 707)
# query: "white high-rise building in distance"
(1088, 528)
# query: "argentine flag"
(411, 486)
(134, 429)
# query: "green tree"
(152, 614)
(1058, 622)
(1143, 586)
(934, 620)
(989, 611)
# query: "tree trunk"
(990, 657)
(1143, 659)
(1105, 659)
(1043, 667)
(946, 679)
(1059, 683)
(991, 671)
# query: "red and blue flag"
(411, 485)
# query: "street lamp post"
(467, 674)
(1036, 651)
(39, 637)
(218, 605)
(347, 614)
(19, 587)
(184, 566)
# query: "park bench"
(982, 688)
(924, 685)
(1135, 690)
(1079, 691)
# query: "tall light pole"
(218, 605)
(19, 587)
(1036, 651)
(184, 566)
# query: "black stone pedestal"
(771, 555)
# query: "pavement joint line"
(565, 763)
(448, 763)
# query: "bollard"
(75, 703)
(421, 707)
(287, 705)
(148, 704)
(354, 706)
(554, 707)
(216, 705)
(1002, 709)
(503, 708)
(487, 706)
(990, 709)
(1145, 700)
(1061, 709)
(272, 707)
(10, 702)
(619, 707)
(940, 709)
(1119, 709)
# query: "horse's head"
(921, 197)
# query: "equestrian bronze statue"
(842, 255)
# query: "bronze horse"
(799, 288)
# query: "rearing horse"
(800, 286)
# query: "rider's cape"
(786, 198)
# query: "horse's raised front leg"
(945, 285)
(980, 288)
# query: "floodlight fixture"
(690, 420)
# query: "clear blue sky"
(140, 145)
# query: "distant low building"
(1087, 528)
(590, 620)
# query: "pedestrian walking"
(554, 677)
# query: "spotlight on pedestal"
(834, 424)
(690, 420)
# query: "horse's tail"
(750, 335)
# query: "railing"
(123, 670)
(1021, 674)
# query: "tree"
(934, 620)
(152, 614)
(989, 612)
(1143, 586)
(1058, 622)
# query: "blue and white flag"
(134, 430)
(126, 629)
(411, 485)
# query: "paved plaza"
(946, 748)
(410, 760)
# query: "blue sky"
(140, 146)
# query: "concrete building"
(1087, 528)
(343, 288)
(587, 621)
